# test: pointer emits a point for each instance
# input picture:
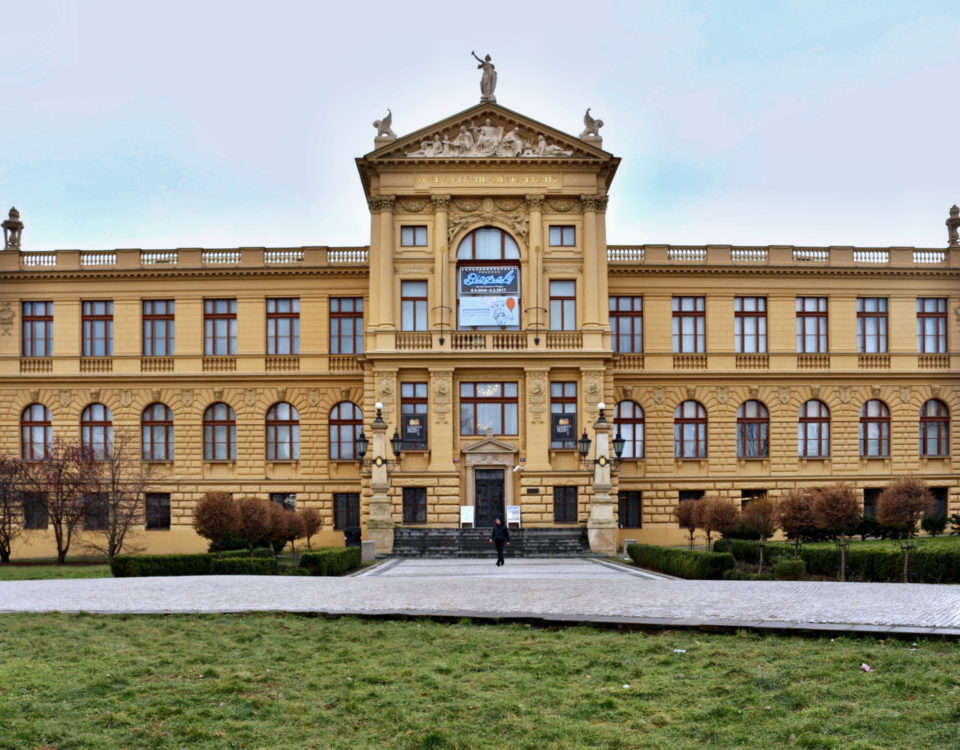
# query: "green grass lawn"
(43, 572)
(284, 681)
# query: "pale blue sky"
(218, 124)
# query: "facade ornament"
(658, 396)
(126, 397)
(414, 205)
(313, 397)
(386, 385)
(441, 396)
(691, 393)
(34, 396)
(722, 394)
(7, 317)
(485, 140)
(345, 394)
(875, 391)
(562, 205)
(754, 392)
(534, 202)
(591, 126)
(593, 202)
(12, 230)
(488, 81)
(281, 394)
(186, 397)
(155, 394)
(508, 204)
(537, 395)
(815, 391)
(385, 133)
(440, 202)
(905, 394)
(935, 391)
(218, 394)
(66, 396)
(517, 222)
(784, 394)
(95, 395)
(844, 394)
(953, 227)
(382, 203)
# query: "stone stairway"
(414, 542)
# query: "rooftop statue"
(383, 126)
(488, 83)
(593, 126)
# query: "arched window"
(813, 430)
(283, 433)
(690, 430)
(96, 431)
(753, 430)
(219, 433)
(874, 429)
(156, 433)
(934, 428)
(488, 280)
(36, 432)
(629, 424)
(346, 420)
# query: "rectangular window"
(286, 500)
(872, 325)
(630, 506)
(346, 325)
(346, 510)
(413, 236)
(97, 319)
(870, 496)
(413, 416)
(564, 504)
(413, 306)
(490, 406)
(95, 512)
(932, 325)
(563, 305)
(414, 504)
(750, 324)
(563, 416)
(690, 495)
(939, 500)
(219, 327)
(562, 236)
(34, 510)
(37, 329)
(812, 325)
(283, 326)
(689, 325)
(158, 511)
(626, 324)
(746, 496)
(158, 327)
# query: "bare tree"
(836, 510)
(287, 527)
(61, 481)
(116, 502)
(716, 516)
(311, 523)
(11, 510)
(215, 516)
(256, 520)
(795, 517)
(902, 505)
(760, 516)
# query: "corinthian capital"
(440, 202)
(381, 203)
(594, 202)
(535, 202)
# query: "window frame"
(282, 433)
(96, 328)
(696, 316)
(35, 514)
(505, 402)
(563, 400)
(633, 517)
(741, 317)
(415, 400)
(698, 423)
(346, 510)
(158, 327)
(338, 423)
(286, 500)
(878, 341)
(563, 307)
(156, 430)
(216, 427)
(34, 322)
(939, 424)
(413, 309)
(283, 327)
(820, 434)
(566, 500)
(630, 319)
(874, 430)
(29, 424)
(634, 424)
(96, 420)
(818, 318)
(213, 334)
(760, 443)
(414, 505)
(566, 234)
(938, 319)
(414, 235)
(337, 316)
(152, 512)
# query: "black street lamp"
(618, 444)
(396, 443)
(584, 444)
(361, 443)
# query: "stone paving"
(581, 590)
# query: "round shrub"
(789, 570)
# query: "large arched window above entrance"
(488, 281)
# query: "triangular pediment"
(487, 132)
(490, 445)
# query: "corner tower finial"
(12, 230)
(488, 82)
(953, 227)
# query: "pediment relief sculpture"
(487, 139)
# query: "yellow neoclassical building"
(487, 353)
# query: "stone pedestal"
(383, 140)
(601, 525)
(593, 140)
(380, 523)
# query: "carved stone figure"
(592, 129)
(544, 149)
(953, 226)
(7, 317)
(488, 81)
(383, 127)
(12, 230)
(488, 138)
(462, 145)
(511, 145)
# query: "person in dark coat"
(500, 536)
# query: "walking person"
(500, 536)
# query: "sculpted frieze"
(487, 139)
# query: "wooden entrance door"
(489, 496)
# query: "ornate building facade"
(507, 349)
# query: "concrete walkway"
(537, 590)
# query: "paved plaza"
(536, 590)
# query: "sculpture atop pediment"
(488, 82)
(487, 140)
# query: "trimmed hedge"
(864, 563)
(683, 563)
(257, 552)
(747, 550)
(205, 564)
(331, 562)
(789, 570)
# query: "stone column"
(534, 275)
(380, 523)
(601, 525)
(441, 289)
(384, 280)
(591, 281)
(603, 289)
